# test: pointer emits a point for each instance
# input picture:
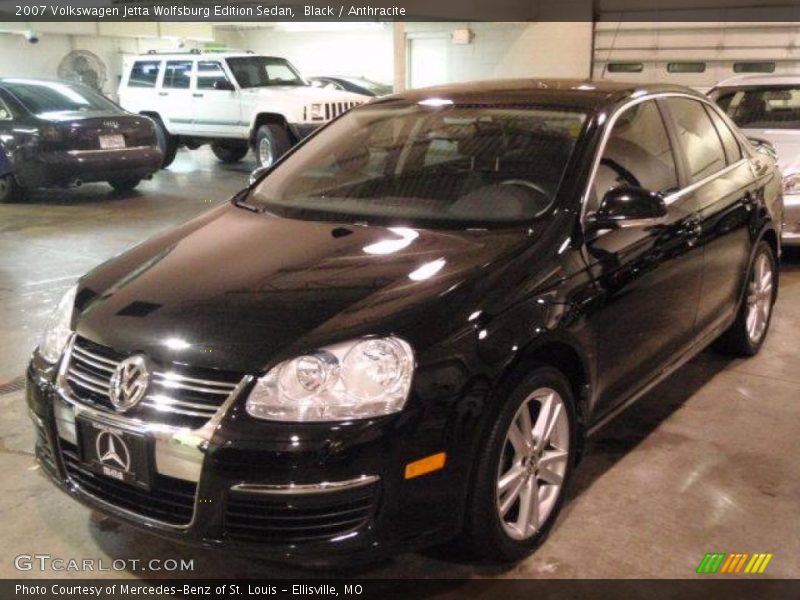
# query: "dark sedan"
(357, 85)
(404, 331)
(57, 134)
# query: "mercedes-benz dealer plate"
(113, 452)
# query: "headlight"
(354, 380)
(791, 184)
(58, 330)
(317, 112)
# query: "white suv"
(234, 101)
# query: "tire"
(9, 190)
(493, 525)
(748, 332)
(167, 143)
(229, 152)
(271, 142)
(124, 184)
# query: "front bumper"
(54, 169)
(321, 493)
(791, 220)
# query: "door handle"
(198, 95)
(163, 93)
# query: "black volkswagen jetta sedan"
(57, 134)
(404, 331)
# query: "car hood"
(786, 143)
(303, 93)
(239, 290)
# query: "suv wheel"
(124, 184)
(167, 143)
(748, 332)
(229, 152)
(520, 480)
(272, 142)
(9, 190)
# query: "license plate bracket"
(114, 452)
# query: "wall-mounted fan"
(83, 66)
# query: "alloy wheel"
(533, 463)
(265, 155)
(759, 298)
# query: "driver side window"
(638, 153)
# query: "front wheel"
(520, 480)
(748, 332)
(124, 184)
(9, 190)
(272, 142)
(229, 152)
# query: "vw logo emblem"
(112, 451)
(129, 382)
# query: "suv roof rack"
(192, 51)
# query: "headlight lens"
(317, 112)
(354, 380)
(58, 330)
(791, 184)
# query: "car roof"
(577, 93)
(201, 55)
(755, 80)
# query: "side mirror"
(223, 85)
(764, 147)
(628, 207)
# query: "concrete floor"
(705, 463)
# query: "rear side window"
(144, 73)
(732, 150)
(698, 138)
(208, 73)
(178, 74)
(637, 154)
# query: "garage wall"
(366, 52)
(503, 50)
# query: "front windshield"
(42, 97)
(404, 162)
(263, 71)
(762, 108)
(379, 89)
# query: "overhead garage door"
(696, 47)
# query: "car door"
(648, 274)
(217, 112)
(721, 186)
(176, 96)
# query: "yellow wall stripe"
(752, 563)
(764, 564)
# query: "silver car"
(767, 107)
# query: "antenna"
(613, 43)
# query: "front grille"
(334, 109)
(263, 518)
(168, 500)
(178, 395)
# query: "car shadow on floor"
(91, 193)
(607, 447)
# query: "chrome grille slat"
(88, 382)
(175, 397)
(85, 353)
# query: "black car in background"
(357, 85)
(55, 133)
(404, 331)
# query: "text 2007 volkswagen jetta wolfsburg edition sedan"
(404, 330)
